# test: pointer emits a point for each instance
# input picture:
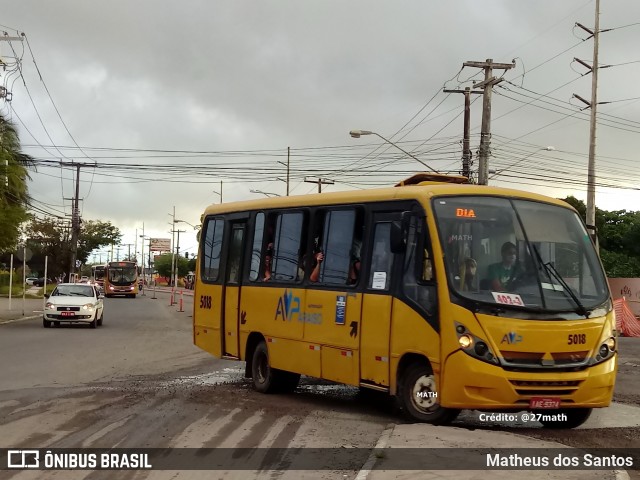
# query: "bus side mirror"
(399, 230)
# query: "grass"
(17, 291)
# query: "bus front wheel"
(565, 417)
(418, 397)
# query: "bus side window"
(339, 243)
(381, 257)
(212, 249)
(286, 245)
(256, 249)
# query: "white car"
(74, 303)
(30, 280)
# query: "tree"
(51, 237)
(14, 195)
(163, 265)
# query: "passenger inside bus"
(468, 275)
(318, 257)
(267, 263)
(354, 263)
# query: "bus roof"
(416, 187)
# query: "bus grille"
(545, 387)
(533, 359)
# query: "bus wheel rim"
(424, 395)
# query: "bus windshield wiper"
(551, 271)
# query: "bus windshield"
(520, 254)
(123, 275)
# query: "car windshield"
(73, 290)
(519, 254)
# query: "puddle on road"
(221, 377)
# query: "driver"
(501, 274)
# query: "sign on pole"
(160, 244)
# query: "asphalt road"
(138, 381)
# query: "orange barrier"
(626, 322)
(181, 310)
(172, 299)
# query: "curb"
(373, 456)
(22, 319)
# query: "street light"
(548, 149)
(359, 133)
(267, 194)
(190, 224)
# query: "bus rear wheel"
(418, 397)
(574, 417)
(264, 377)
(267, 379)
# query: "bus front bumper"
(480, 385)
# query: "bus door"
(377, 303)
(233, 277)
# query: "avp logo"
(23, 459)
(288, 306)
(511, 338)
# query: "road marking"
(243, 430)
(275, 430)
(200, 431)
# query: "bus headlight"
(465, 341)
(606, 350)
(474, 346)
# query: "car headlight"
(88, 306)
(50, 306)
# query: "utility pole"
(173, 238)
(591, 175)
(178, 255)
(129, 252)
(319, 181)
(485, 131)
(75, 224)
(288, 160)
(466, 149)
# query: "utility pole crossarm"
(499, 66)
(319, 181)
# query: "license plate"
(67, 314)
(544, 403)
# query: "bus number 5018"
(205, 301)
(576, 339)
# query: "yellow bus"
(448, 296)
(121, 278)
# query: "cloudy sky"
(161, 101)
